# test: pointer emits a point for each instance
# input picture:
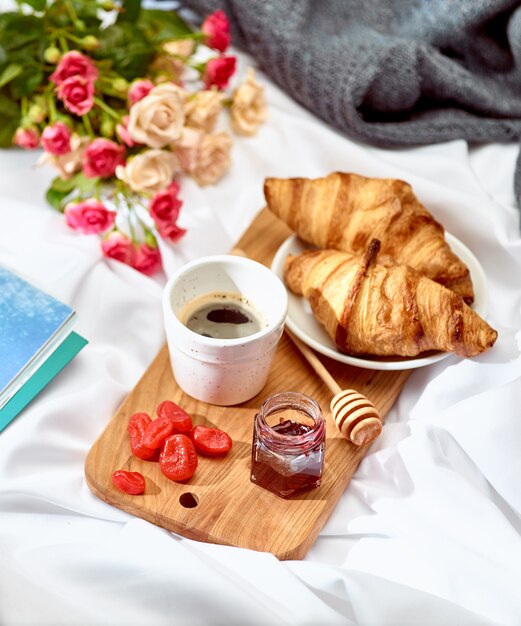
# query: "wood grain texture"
(230, 509)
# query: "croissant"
(384, 308)
(345, 211)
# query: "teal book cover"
(36, 342)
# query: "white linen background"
(429, 529)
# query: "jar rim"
(300, 402)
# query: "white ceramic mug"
(223, 371)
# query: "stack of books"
(36, 342)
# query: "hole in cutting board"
(188, 500)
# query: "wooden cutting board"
(220, 504)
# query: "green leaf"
(24, 56)
(63, 185)
(130, 11)
(128, 49)
(26, 83)
(160, 26)
(7, 131)
(9, 120)
(8, 108)
(37, 5)
(56, 15)
(19, 30)
(10, 73)
(56, 198)
(84, 184)
(80, 182)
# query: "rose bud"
(26, 138)
(77, 94)
(52, 55)
(118, 246)
(120, 84)
(147, 260)
(139, 89)
(36, 113)
(89, 216)
(165, 206)
(101, 158)
(123, 134)
(219, 71)
(107, 127)
(56, 139)
(89, 42)
(74, 64)
(217, 30)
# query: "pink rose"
(164, 209)
(77, 94)
(119, 247)
(219, 71)
(217, 30)
(165, 205)
(26, 138)
(147, 260)
(101, 158)
(139, 89)
(56, 139)
(75, 64)
(173, 232)
(89, 216)
(123, 134)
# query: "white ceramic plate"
(303, 324)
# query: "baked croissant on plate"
(345, 211)
(384, 308)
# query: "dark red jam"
(290, 427)
(287, 458)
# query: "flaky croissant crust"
(379, 307)
(345, 212)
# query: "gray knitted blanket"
(391, 72)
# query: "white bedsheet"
(429, 529)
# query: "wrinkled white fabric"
(429, 529)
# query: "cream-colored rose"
(167, 68)
(150, 171)
(170, 65)
(202, 109)
(69, 163)
(206, 158)
(179, 47)
(158, 118)
(187, 148)
(248, 108)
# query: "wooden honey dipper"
(354, 415)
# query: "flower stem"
(63, 43)
(72, 37)
(88, 125)
(130, 215)
(108, 110)
(198, 36)
(122, 200)
(198, 67)
(70, 10)
(52, 107)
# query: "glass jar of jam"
(289, 435)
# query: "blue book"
(36, 342)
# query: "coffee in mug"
(222, 315)
(228, 295)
